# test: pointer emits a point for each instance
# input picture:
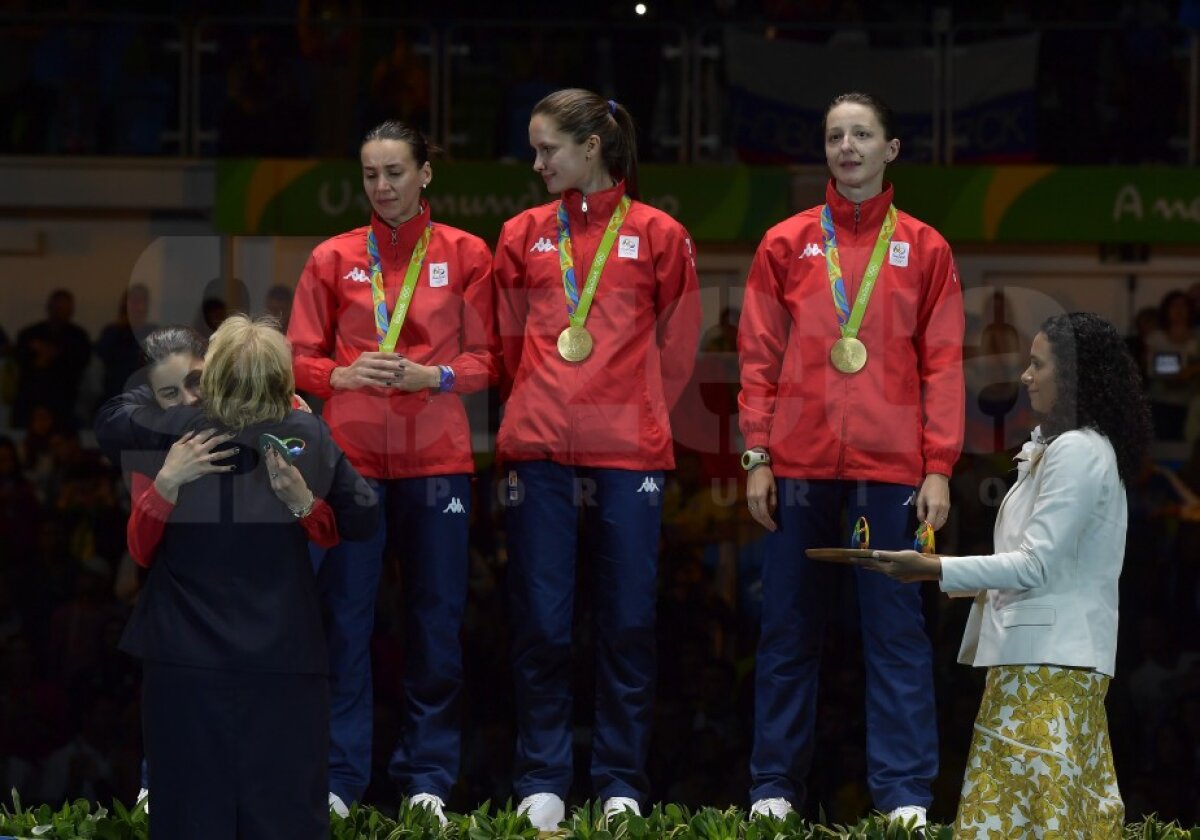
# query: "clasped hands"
(374, 369)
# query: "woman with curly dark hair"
(1044, 621)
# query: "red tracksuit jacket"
(611, 410)
(388, 433)
(898, 419)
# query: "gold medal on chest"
(575, 343)
(848, 355)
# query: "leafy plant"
(80, 820)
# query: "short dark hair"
(882, 111)
(167, 341)
(396, 130)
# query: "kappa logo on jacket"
(649, 485)
(455, 506)
(812, 249)
(357, 275)
(543, 245)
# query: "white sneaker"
(545, 810)
(143, 799)
(337, 806)
(616, 805)
(776, 807)
(911, 816)
(432, 802)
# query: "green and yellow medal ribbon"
(850, 320)
(578, 303)
(388, 330)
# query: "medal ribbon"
(849, 321)
(923, 539)
(386, 332)
(578, 304)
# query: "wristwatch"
(752, 458)
(447, 379)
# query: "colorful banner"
(1081, 204)
(738, 203)
(715, 203)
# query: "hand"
(299, 404)
(191, 457)
(905, 566)
(369, 370)
(415, 377)
(287, 482)
(761, 496)
(933, 500)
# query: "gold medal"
(575, 343)
(848, 355)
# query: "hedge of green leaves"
(669, 822)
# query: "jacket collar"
(406, 235)
(870, 213)
(600, 206)
(1031, 452)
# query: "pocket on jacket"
(1026, 616)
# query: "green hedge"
(673, 822)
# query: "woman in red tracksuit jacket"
(599, 317)
(850, 347)
(390, 323)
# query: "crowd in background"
(69, 713)
(74, 82)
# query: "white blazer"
(1051, 586)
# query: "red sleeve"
(475, 366)
(512, 305)
(320, 525)
(147, 520)
(939, 343)
(762, 338)
(310, 330)
(678, 308)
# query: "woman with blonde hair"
(235, 695)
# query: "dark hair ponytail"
(581, 113)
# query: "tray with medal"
(860, 541)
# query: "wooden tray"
(853, 556)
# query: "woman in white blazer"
(1044, 621)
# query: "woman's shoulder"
(458, 238)
(647, 217)
(531, 217)
(805, 223)
(1081, 448)
(355, 238)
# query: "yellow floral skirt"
(1041, 764)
